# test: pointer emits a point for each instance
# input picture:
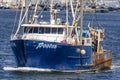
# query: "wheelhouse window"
(54, 30)
(35, 30)
(60, 30)
(31, 30)
(43, 30)
(28, 29)
(25, 30)
(47, 30)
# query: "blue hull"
(51, 55)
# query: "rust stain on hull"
(102, 61)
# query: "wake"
(28, 69)
(115, 67)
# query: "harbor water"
(109, 21)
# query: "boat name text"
(43, 45)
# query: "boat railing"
(15, 37)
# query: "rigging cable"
(15, 20)
(42, 10)
(21, 19)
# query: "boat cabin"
(44, 32)
(56, 33)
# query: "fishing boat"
(58, 46)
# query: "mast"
(67, 15)
(26, 18)
(81, 20)
(52, 14)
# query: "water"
(111, 23)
